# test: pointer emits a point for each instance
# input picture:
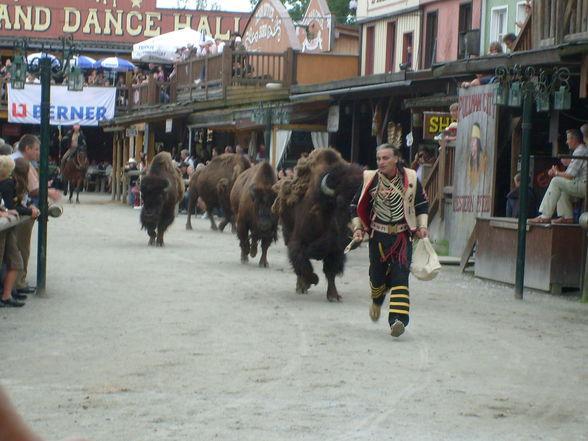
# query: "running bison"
(161, 189)
(251, 200)
(314, 210)
(213, 185)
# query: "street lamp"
(47, 68)
(518, 85)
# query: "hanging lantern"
(18, 75)
(542, 102)
(500, 95)
(562, 99)
(75, 80)
(515, 98)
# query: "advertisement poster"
(474, 172)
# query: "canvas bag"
(425, 263)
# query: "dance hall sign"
(474, 172)
(86, 108)
(124, 21)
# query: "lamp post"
(47, 68)
(269, 115)
(516, 86)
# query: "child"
(8, 249)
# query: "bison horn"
(252, 190)
(328, 191)
(167, 185)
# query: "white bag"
(425, 263)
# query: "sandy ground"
(186, 343)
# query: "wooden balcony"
(559, 21)
(231, 75)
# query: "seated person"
(512, 200)
(565, 185)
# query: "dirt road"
(186, 343)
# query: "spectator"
(513, 203)
(29, 148)
(480, 80)
(421, 158)
(566, 184)
(260, 156)
(133, 178)
(528, 9)
(229, 149)
(495, 48)
(10, 253)
(509, 40)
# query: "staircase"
(439, 184)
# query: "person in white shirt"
(565, 184)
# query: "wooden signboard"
(270, 29)
(315, 31)
(434, 123)
(474, 172)
(125, 21)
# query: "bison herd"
(312, 207)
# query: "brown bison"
(252, 197)
(314, 210)
(161, 189)
(213, 184)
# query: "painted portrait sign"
(474, 173)
(124, 21)
(270, 28)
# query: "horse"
(73, 171)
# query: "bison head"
(154, 191)
(263, 199)
(339, 184)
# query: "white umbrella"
(82, 62)
(163, 48)
(115, 64)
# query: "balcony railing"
(233, 74)
(560, 21)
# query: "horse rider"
(73, 141)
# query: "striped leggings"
(389, 276)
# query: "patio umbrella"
(82, 62)
(163, 48)
(114, 64)
(33, 59)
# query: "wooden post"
(355, 123)
(584, 76)
(441, 177)
(226, 69)
(289, 67)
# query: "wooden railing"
(524, 41)
(559, 21)
(439, 183)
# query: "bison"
(252, 197)
(313, 207)
(213, 184)
(161, 189)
